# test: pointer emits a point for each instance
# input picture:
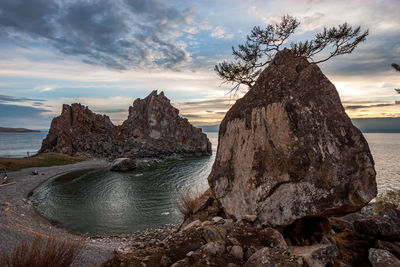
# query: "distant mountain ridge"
(16, 130)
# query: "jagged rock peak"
(152, 129)
(80, 131)
(287, 149)
(154, 118)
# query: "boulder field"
(153, 129)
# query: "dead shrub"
(389, 199)
(188, 202)
(42, 252)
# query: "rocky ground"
(357, 239)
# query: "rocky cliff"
(153, 129)
(287, 149)
(79, 131)
(154, 126)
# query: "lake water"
(113, 203)
(17, 145)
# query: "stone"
(391, 247)
(382, 258)
(316, 255)
(218, 219)
(273, 238)
(237, 252)
(273, 257)
(340, 225)
(386, 225)
(165, 261)
(353, 249)
(153, 129)
(287, 149)
(214, 248)
(196, 223)
(250, 218)
(123, 164)
(212, 233)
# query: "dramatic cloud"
(118, 34)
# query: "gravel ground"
(20, 221)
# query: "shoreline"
(19, 220)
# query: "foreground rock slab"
(288, 150)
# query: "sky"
(105, 54)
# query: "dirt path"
(19, 220)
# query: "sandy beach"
(19, 220)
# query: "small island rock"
(123, 164)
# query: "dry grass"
(43, 252)
(389, 199)
(43, 160)
(188, 202)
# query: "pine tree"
(262, 44)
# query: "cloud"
(312, 22)
(220, 33)
(191, 30)
(18, 116)
(205, 26)
(369, 106)
(191, 116)
(119, 34)
(8, 98)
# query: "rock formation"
(154, 126)
(153, 129)
(287, 149)
(79, 131)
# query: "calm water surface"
(101, 202)
(17, 145)
(114, 203)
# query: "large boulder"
(288, 150)
(153, 129)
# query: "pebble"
(217, 219)
(237, 252)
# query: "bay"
(117, 203)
